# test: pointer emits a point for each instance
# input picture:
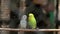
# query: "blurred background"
(45, 12)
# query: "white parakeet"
(23, 22)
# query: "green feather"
(32, 21)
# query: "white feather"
(23, 22)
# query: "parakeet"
(32, 21)
(23, 22)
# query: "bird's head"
(24, 17)
(31, 14)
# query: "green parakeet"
(32, 21)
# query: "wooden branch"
(10, 29)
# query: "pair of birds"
(31, 21)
